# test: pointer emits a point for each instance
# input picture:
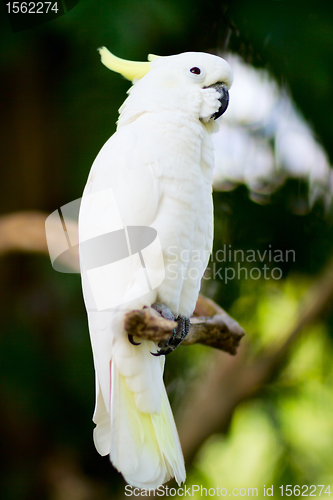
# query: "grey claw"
(130, 338)
(162, 352)
(158, 353)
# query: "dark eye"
(195, 70)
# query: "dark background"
(58, 106)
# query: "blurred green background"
(58, 107)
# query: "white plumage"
(158, 167)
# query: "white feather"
(158, 167)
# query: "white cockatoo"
(145, 232)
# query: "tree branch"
(219, 331)
(228, 380)
(25, 232)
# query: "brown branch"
(229, 380)
(25, 232)
(148, 324)
(212, 326)
(220, 331)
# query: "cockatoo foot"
(164, 311)
(179, 333)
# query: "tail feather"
(101, 418)
(168, 440)
(144, 447)
(134, 449)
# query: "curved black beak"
(224, 98)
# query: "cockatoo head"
(194, 83)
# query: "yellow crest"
(132, 70)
